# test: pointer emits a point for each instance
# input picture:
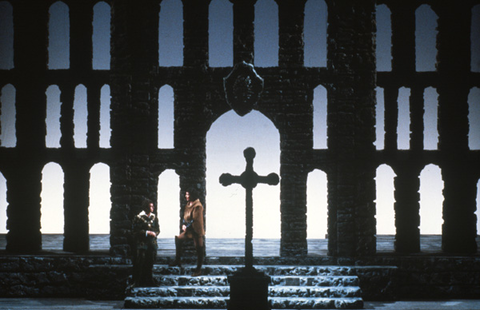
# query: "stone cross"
(249, 180)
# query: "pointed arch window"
(317, 211)
(320, 117)
(6, 36)
(220, 29)
(385, 201)
(266, 33)
(384, 38)
(474, 119)
(315, 34)
(474, 35)
(52, 120)
(403, 128)
(168, 203)
(431, 200)
(230, 222)
(425, 38)
(170, 32)
(477, 212)
(7, 117)
(80, 115)
(59, 36)
(430, 119)
(52, 219)
(380, 119)
(3, 204)
(165, 117)
(101, 36)
(105, 108)
(99, 208)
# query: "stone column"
(195, 25)
(243, 30)
(391, 119)
(81, 30)
(417, 112)
(67, 93)
(291, 21)
(403, 38)
(453, 64)
(76, 201)
(23, 211)
(93, 122)
(351, 128)
(24, 174)
(134, 63)
(295, 142)
(407, 207)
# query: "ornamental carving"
(243, 87)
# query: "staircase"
(291, 287)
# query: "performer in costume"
(192, 228)
(145, 230)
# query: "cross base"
(248, 290)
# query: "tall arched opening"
(228, 137)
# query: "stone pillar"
(294, 145)
(66, 117)
(403, 38)
(76, 201)
(291, 21)
(417, 111)
(298, 114)
(243, 30)
(23, 211)
(24, 174)
(81, 31)
(195, 25)
(134, 62)
(391, 119)
(351, 128)
(453, 64)
(407, 207)
(93, 122)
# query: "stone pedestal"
(248, 290)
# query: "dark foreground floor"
(81, 304)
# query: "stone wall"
(383, 279)
(350, 161)
(63, 276)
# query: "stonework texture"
(350, 159)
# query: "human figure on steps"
(192, 228)
(145, 230)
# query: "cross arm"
(228, 179)
(271, 179)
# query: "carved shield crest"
(243, 87)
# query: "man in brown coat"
(192, 228)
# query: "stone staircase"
(291, 287)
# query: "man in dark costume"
(145, 231)
(192, 228)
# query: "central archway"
(228, 137)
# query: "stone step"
(222, 303)
(316, 303)
(291, 287)
(267, 269)
(224, 291)
(222, 280)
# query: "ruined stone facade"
(350, 160)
